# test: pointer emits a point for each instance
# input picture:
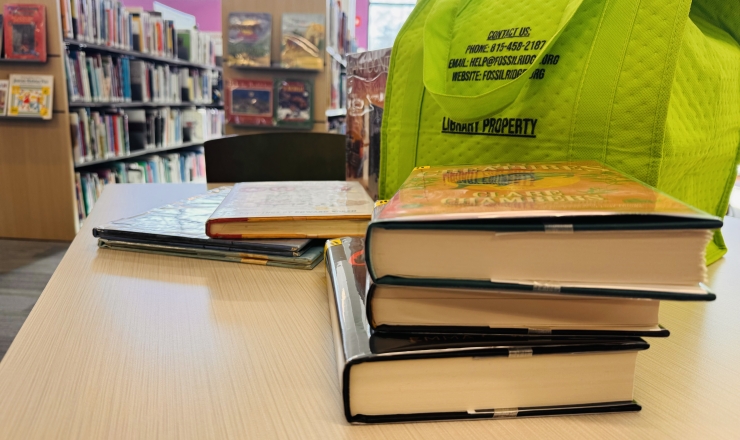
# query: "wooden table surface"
(136, 346)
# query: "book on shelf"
(319, 209)
(422, 377)
(178, 229)
(109, 133)
(202, 124)
(250, 39)
(31, 96)
(293, 103)
(367, 73)
(24, 26)
(249, 102)
(175, 167)
(2, 32)
(97, 78)
(302, 42)
(197, 47)
(102, 22)
(541, 227)
(99, 134)
(4, 96)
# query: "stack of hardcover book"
(509, 290)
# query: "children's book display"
(31, 96)
(302, 41)
(24, 28)
(280, 102)
(250, 38)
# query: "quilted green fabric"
(650, 87)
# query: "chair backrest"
(275, 157)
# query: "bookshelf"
(95, 163)
(137, 54)
(37, 167)
(322, 78)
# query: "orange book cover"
(526, 190)
(302, 200)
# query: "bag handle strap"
(438, 35)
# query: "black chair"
(275, 157)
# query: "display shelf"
(138, 104)
(7, 61)
(139, 153)
(277, 69)
(336, 112)
(136, 54)
(25, 118)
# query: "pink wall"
(207, 12)
(362, 9)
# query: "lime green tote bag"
(650, 87)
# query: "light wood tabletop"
(137, 346)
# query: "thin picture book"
(3, 96)
(302, 41)
(250, 37)
(31, 96)
(294, 103)
(249, 102)
(24, 31)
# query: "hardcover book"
(25, 32)
(294, 103)
(429, 310)
(31, 96)
(309, 259)
(302, 41)
(250, 39)
(3, 97)
(405, 378)
(576, 227)
(249, 102)
(316, 209)
(179, 229)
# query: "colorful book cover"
(302, 43)
(25, 32)
(367, 74)
(31, 96)
(249, 102)
(250, 38)
(3, 97)
(523, 190)
(294, 103)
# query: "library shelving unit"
(37, 170)
(321, 78)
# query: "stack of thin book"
(265, 223)
(509, 290)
